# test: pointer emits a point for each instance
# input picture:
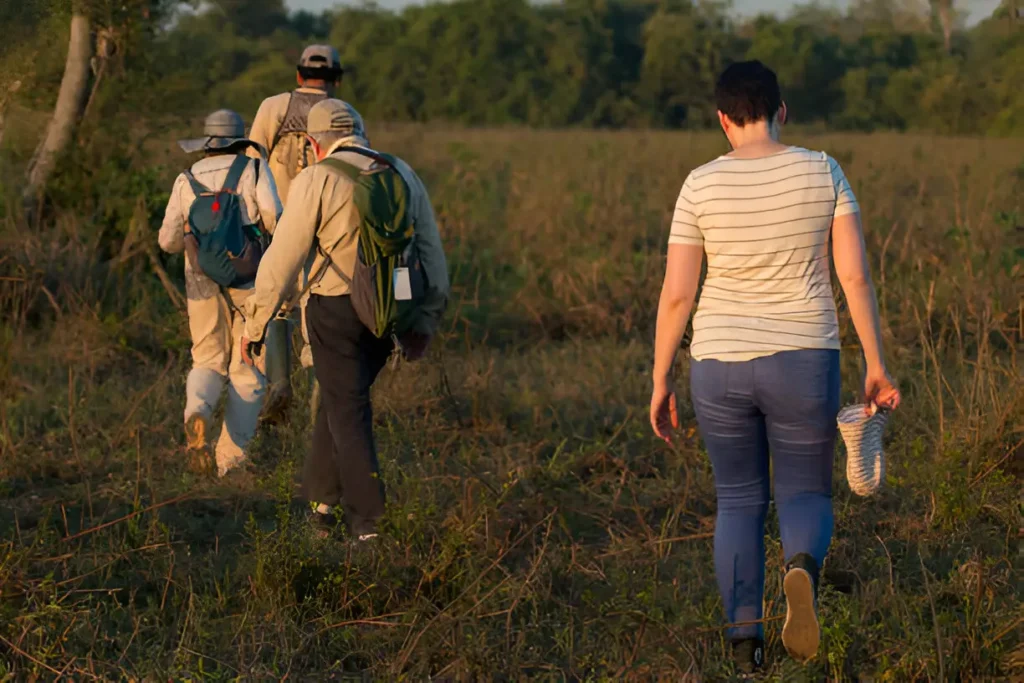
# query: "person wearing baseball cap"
(319, 235)
(280, 127)
(280, 123)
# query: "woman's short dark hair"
(747, 92)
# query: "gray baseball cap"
(335, 116)
(222, 129)
(320, 57)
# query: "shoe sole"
(195, 433)
(199, 460)
(801, 635)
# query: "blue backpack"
(218, 243)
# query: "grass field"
(537, 529)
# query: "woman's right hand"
(664, 415)
(879, 389)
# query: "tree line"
(889, 64)
(882, 64)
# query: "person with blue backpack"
(221, 213)
(360, 226)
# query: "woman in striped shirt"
(765, 351)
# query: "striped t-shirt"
(764, 225)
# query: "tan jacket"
(268, 121)
(321, 214)
(260, 205)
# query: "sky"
(979, 9)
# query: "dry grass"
(536, 529)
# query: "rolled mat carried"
(278, 348)
(862, 433)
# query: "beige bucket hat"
(222, 129)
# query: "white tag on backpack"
(402, 285)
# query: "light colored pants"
(217, 332)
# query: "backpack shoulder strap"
(284, 117)
(385, 159)
(353, 172)
(388, 160)
(235, 173)
(197, 187)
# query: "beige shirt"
(260, 205)
(321, 217)
(269, 118)
(764, 225)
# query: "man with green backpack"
(360, 225)
(221, 212)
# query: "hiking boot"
(801, 634)
(363, 530)
(200, 462)
(198, 458)
(748, 655)
(195, 432)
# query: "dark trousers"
(784, 404)
(342, 467)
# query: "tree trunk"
(67, 111)
(946, 19)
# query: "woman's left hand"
(664, 416)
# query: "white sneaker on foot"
(801, 635)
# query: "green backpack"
(217, 242)
(388, 282)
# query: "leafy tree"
(251, 18)
(684, 49)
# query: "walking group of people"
(304, 214)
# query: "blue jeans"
(785, 403)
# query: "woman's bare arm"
(850, 256)
(682, 275)
(678, 292)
